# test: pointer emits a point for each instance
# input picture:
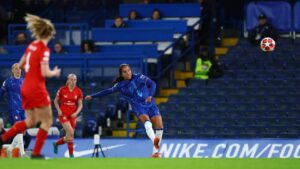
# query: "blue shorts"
(151, 111)
(17, 115)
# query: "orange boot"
(15, 153)
(3, 153)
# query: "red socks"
(60, 141)
(70, 147)
(17, 128)
(40, 140)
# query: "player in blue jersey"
(138, 90)
(12, 86)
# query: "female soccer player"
(35, 98)
(138, 90)
(68, 96)
(12, 86)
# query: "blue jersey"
(12, 87)
(135, 91)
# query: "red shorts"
(33, 100)
(62, 119)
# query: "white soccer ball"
(267, 44)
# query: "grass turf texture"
(148, 163)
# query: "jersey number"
(27, 66)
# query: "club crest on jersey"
(66, 96)
(75, 97)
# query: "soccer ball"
(267, 44)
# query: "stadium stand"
(148, 40)
(255, 99)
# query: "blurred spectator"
(87, 46)
(2, 50)
(133, 15)
(21, 39)
(264, 29)
(147, 1)
(58, 48)
(207, 66)
(119, 23)
(156, 15)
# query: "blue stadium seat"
(179, 26)
(111, 111)
(132, 34)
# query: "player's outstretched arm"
(103, 93)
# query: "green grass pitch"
(148, 163)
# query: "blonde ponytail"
(39, 27)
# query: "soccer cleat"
(55, 148)
(15, 153)
(38, 157)
(155, 155)
(71, 155)
(3, 153)
(156, 142)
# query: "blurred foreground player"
(35, 98)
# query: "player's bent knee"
(69, 140)
(70, 135)
(148, 125)
(30, 123)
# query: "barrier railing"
(85, 61)
(65, 32)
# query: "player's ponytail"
(40, 28)
(119, 78)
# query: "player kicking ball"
(138, 90)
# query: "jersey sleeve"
(58, 93)
(150, 84)
(108, 91)
(3, 89)
(45, 56)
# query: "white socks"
(149, 130)
(18, 142)
(158, 134)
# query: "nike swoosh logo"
(87, 152)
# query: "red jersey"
(69, 99)
(33, 90)
(36, 53)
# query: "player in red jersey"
(68, 96)
(35, 98)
